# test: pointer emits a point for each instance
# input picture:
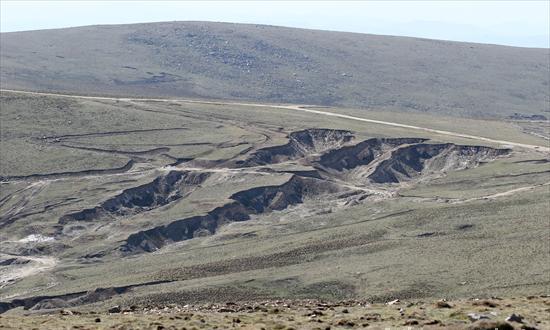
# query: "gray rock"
(115, 309)
(490, 325)
(226, 310)
(515, 318)
(476, 317)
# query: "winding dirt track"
(303, 108)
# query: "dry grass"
(299, 314)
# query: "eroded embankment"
(300, 144)
(70, 299)
(386, 161)
(335, 166)
(162, 191)
(338, 166)
(360, 154)
(59, 175)
(418, 160)
(245, 203)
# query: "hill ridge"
(280, 64)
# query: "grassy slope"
(369, 250)
(187, 129)
(309, 314)
(275, 64)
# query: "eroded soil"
(273, 211)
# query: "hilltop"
(149, 178)
(278, 64)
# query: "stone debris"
(443, 304)
(515, 318)
(476, 317)
(115, 309)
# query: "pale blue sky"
(517, 23)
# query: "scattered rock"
(226, 310)
(443, 304)
(486, 303)
(115, 309)
(345, 323)
(393, 302)
(527, 327)
(97, 320)
(372, 317)
(315, 313)
(490, 325)
(476, 317)
(65, 312)
(411, 322)
(515, 318)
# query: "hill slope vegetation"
(276, 64)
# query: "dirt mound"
(163, 190)
(249, 202)
(300, 144)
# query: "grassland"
(304, 314)
(276, 64)
(458, 233)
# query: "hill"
(166, 210)
(147, 203)
(277, 64)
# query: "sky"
(515, 23)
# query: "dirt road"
(304, 108)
